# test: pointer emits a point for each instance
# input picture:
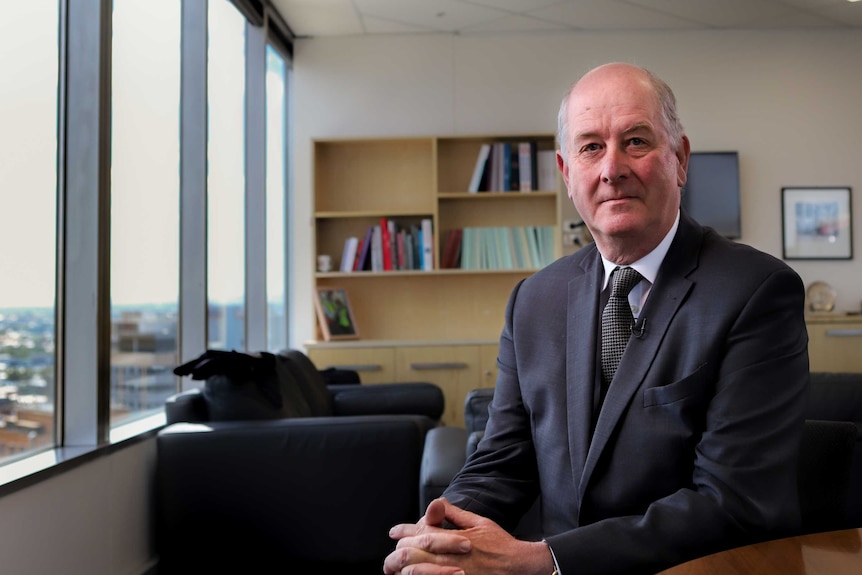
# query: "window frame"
(82, 311)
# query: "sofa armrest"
(266, 494)
(442, 458)
(419, 398)
(189, 406)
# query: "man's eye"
(637, 142)
(590, 148)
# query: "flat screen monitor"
(711, 194)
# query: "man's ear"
(683, 153)
(563, 167)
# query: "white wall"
(788, 101)
(96, 519)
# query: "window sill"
(49, 463)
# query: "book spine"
(427, 245)
(507, 168)
(364, 260)
(385, 247)
(376, 250)
(525, 167)
(479, 169)
(348, 255)
(547, 161)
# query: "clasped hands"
(476, 546)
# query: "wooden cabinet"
(457, 367)
(373, 364)
(835, 343)
(438, 325)
(358, 182)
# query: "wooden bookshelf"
(358, 182)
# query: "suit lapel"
(583, 311)
(666, 296)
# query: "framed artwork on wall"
(816, 223)
(334, 314)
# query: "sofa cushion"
(835, 397)
(308, 381)
(241, 386)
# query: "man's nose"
(614, 165)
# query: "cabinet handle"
(843, 332)
(439, 365)
(363, 367)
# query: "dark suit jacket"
(695, 448)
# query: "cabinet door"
(374, 364)
(455, 369)
(835, 347)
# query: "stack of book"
(513, 166)
(499, 248)
(388, 246)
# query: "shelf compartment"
(392, 175)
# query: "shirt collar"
(648, 265)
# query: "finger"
(460, 518)
(414, 561)
(436, 512)
(444, 542)
(403, 530)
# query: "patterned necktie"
(617, 321)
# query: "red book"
(386, 242)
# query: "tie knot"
(624, 279)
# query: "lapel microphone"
(639, 327)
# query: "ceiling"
(319, 18)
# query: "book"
(348, 255)
(376, 250)
(522, 248)
(385, 245)
(400, 251)
(528, 178)
(450, 250)
(547, 167)
(359, 249)
(506, 168)
(514, 168)
(364, 259)
(427, 245)
(494, 167)
(393, 243)
(479, 169)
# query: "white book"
(427, 245)
(377, 250)
(547, 165)
(479, 169)
(348, 256)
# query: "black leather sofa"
(832, 397)
(312, 483)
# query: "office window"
(28, 225)
(145, 101)
(276, 77)
(225, 177)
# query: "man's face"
(621, 171)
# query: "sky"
(145, 153)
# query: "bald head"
(611, 73)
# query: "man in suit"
(688, 445)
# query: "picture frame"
(334, 314)
(816, 223)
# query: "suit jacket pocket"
(695, 384)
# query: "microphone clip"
(639, 327)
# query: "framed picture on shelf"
(816, 224)
(334, 314)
